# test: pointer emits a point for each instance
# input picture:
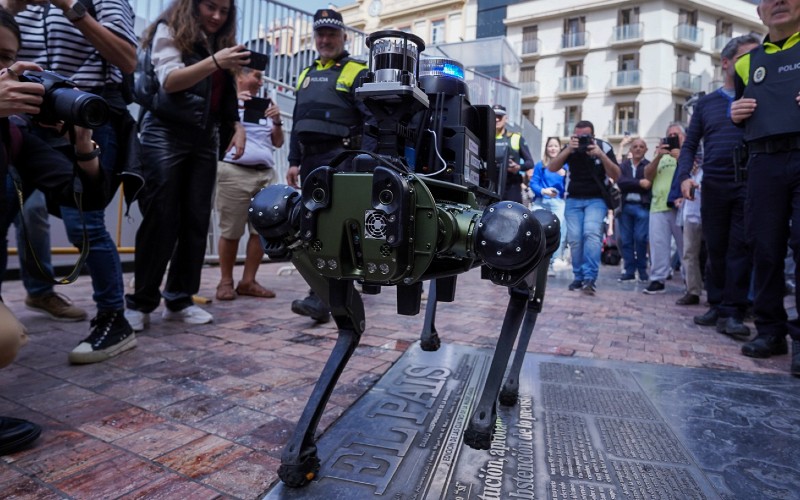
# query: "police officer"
(327, 119)
(519, 157)
(767, 105)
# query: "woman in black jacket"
(193, 52)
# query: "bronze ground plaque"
(582, 429)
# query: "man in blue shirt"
(722, 209)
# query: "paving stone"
(233, 389)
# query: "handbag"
(612, 195)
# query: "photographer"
(38, 167)
(590, 161)
(92, 43)
(663, 216)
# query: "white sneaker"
(137, 319)
(192, 314)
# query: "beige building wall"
(436, 21)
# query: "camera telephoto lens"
(81, 108)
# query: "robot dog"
(425, 206)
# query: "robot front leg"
(299, 461)
(481, 425)
(510, 392)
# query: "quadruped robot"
(425, 206)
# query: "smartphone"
(254, 109)
(258, 61)
(672, 142)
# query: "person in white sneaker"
(194, 54)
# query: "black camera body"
(64, 102)
(584, 141)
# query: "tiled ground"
(203, 411)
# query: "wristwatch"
(76, 12)
(91, 155)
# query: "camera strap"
(32, 262)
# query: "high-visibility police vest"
(770, 74)
(513, 141)
(324, 103)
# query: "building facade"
(625, 66)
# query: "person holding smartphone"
(239, 179)
(663, 217)
(194, 55)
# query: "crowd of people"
(193, 141)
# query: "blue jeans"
(556, 205)
(585, 235)
(103, 261)
(37, 222)
(633, 227)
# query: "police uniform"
(771, 75)
(514, 144)
(327, 117)
(327, 120)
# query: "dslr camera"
(584, 141)
(64, 102)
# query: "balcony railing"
(529, 89)
(619, 127)
(626, 78)
(685, 82)
(530, 47)
(627, 33)
(688, 34)
(577, 40)
(573, 84)
(718, 43)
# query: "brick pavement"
(203, 411)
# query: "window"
(724, 28)
(530, 40)
(681, 114)
(687, 17)
(527, 74)
(626, 118)
(573, 68)
(628, 62)
(437, 32)
(684, 62)
(574, 32)
(405, 29)
(626, 17)
(572, 115)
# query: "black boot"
(733, 327)
(313, 307)
(764, 346)
(16, 434)
(708, 319)
(795, 369)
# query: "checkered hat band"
(324, 23)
